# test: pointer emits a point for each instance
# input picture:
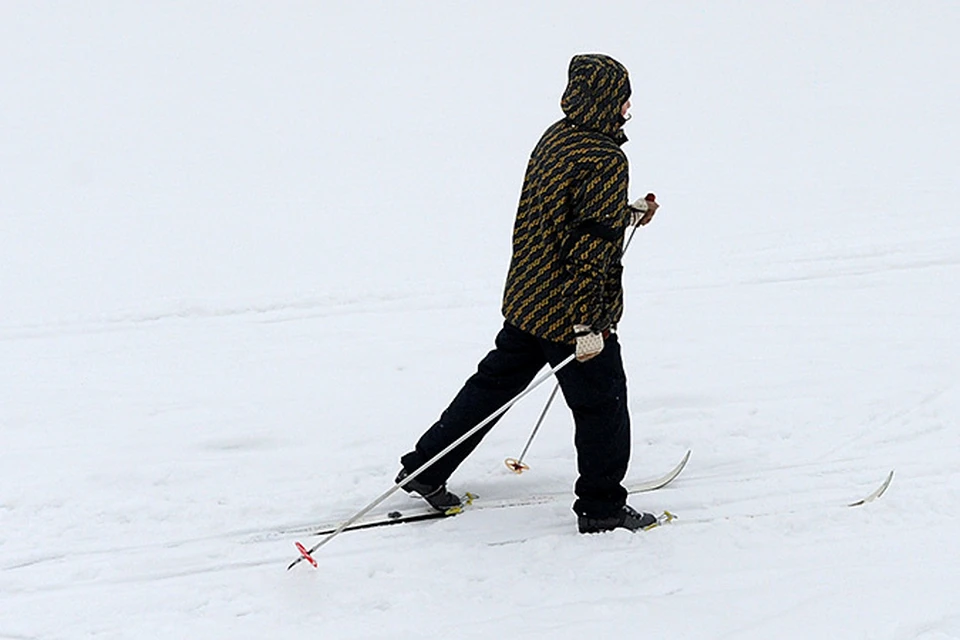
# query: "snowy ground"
(248, 256)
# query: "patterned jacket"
(568, 234)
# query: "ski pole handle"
(650, 197)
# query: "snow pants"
(595, 391)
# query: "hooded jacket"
(565, 269)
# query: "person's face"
(625, 109)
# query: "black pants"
(595, 391)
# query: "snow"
(249, 253)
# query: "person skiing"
(563, 295)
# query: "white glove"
(642, 211)
(640, 205)
(589, 342)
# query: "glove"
(589, 342)
(643, 210)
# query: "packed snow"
(250, 252)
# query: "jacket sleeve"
(593, 246)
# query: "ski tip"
(877, 493)
(304, 555)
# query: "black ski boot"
(627, 518)
(437, 497)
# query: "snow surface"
(250, 251)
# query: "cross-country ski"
(477, 502)
(280, 272)
(876, 493)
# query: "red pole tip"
(306, 554)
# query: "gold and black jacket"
(568, 234)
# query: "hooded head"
(597, 88)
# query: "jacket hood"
(597, 88)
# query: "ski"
(397, 517)
(662, 481)
(421, 514)
(664, 518)
(879, 491)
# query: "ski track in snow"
(238, 283)
(762, 516)
(291, 310)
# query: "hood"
(597, 88)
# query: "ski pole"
(629, 240)
(649, 198)
(516, 464)
(305, 554)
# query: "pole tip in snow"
(516, 466)
(305, 555)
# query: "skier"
(563, 295)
